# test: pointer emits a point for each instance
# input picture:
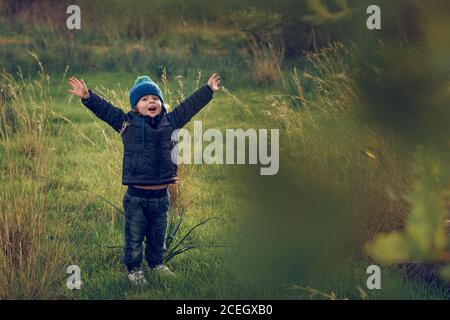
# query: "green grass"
(298, 235)
(85, 154)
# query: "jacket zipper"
(157, 156)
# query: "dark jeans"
(145, 218)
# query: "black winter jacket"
(147, 141)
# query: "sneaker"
(163, 269)
(137, 277)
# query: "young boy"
(147, 165)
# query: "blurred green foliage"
(403, 81)
(424, 238)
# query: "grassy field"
(359, 156)
(60, 163)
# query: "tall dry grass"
(264, 58)
(31, 243)
(325, 140)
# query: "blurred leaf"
(389, 248)
(424, 238)
(322, 15)
(362, 294)
(319, 8)
(342, 3)
(445, 272)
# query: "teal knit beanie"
(144, 86)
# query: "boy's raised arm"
(100, 107)
(183, 113)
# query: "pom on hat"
(142, 79)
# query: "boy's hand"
(214, 82)
(78, 88)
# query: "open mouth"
(152, 109)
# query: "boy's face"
(149, 105)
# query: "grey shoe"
(163, 270)
(137, 277)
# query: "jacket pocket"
(149, 165)
(133, 139)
